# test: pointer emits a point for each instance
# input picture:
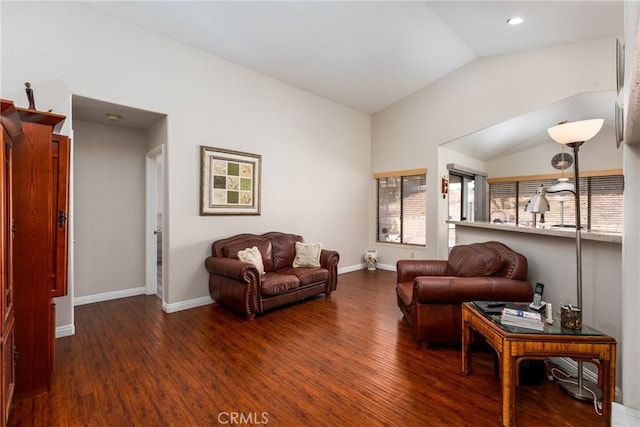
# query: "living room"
(315, 151)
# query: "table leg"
(508, 364)
(608, 373)
(466, 341)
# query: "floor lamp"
(574, 134)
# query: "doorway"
(110, 209)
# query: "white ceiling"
(368, 55)
(91, 110)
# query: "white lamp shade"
(538, 203)
(563, 184)
(581, 131)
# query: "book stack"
(522, 319)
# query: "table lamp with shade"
(538, 204)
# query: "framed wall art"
(229, 182)
(619, 64)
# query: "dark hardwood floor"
(345, 360)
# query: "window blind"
(600, 202)
(503, 204)
(402, 202)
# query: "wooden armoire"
(36, 242)
(11, 128)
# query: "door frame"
(152, 189)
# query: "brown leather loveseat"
(239, 285)
(430, 292)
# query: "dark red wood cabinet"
(40, 180)
(11, 128)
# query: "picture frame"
(619, 124)
(619, 64)
(230, 182)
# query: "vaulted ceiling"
(369, 55)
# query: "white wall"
(630, 299)
(109, 211)
(316, 153)
(480, 94)
(630, 345)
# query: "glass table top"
(494, 314)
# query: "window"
(467, 197)
(600, 202)
(402, 206)
(461, 197)
(461, 202)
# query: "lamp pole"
(576, 179)
(584, 390)
(574, 134)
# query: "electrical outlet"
(412, 254)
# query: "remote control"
(496, 304)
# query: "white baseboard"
(570, 366)
(65, 331)
(350, 268)
(624, 416)
(362, 266)
(185, 305)
(387, 267)
(90, 299)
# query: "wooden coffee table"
(513, 345)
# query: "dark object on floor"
(532, 372)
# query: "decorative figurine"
(32, 102)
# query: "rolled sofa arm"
(329, 259)
(234, 283)
(455, 290)
(229, 267)
(409, 269)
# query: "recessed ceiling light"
(516, 20)
(114, 117)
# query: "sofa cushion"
(307, 275)
(253, 256)
(475, 260)
(230, 247)
(307, 254)
(275, 283)
(283, 248)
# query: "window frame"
(412, 173)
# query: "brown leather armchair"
(430, 292)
